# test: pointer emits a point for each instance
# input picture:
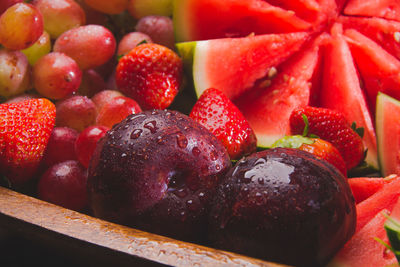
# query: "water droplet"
(160, 140)
(151, 125)
(217, 167)
(196, 151)
(181, 193)
(213, 155)
(181, 140)
(136, 133)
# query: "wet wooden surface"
(92, 242)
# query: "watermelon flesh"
(388, 133)
(268, 108)
(380, 71)
(389, 9)
(364, 187)
(385, 198)
(341, 90)
(244, 60)
(363, 249)
(383, 32)
(214, 19)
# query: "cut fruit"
(202, 20)
(388, 133)
(384, 32)
(341, 90)
(233, 65)
(364, 187)
(389, 9)
(363, 249)
(385, 198)
(392, 227)
(268, 108)
(380, 71)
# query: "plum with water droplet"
(156, 171)
(283, 205)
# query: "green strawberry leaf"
(306, 124)
(293, 141)
(360, 130)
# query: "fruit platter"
(203, 132)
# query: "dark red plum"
(155, 171)
(283, 205)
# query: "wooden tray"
(98, 242)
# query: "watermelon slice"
(268, 109)
(341, 90)
(364, 187)
(388, 133)
(389, 9)
(233, 65)
(202, 20)
(384, 32)
(392, 227)
(380, 71)
(363, 249)
(385, 198)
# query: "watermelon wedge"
(392, 227)
(341, 90)
(363, 249)
(380, 71)
(389, 9)
(384, 32)
(364, 187)
(202, 20)
(233, 65)
(385, 198)
(388, 133)
(268, 108)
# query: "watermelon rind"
(392, 227)
(385, 151)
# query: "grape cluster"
(67, 51)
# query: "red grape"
(103, 97)
(56, 76)
(131, 40)
(4, 4)
(90, 45)
(21, 25)
(159, 28)
(86, 143)
(116, 110)
(61, 146)
(64, 184)
(92, 83)
(76, 112)
(14, 73)
(60, 15)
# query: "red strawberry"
(331, 126)
(151, 74)
(25, 128)
(219, 115)
(316, 146)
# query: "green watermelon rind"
(380, 103)
(392, 227)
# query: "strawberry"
(219, 115)
(316, 146)
(333, 127)
(151, 74)
(25, 128)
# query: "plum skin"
(155, 171)
(283, 205)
